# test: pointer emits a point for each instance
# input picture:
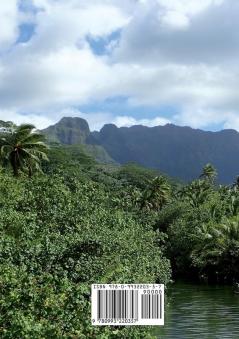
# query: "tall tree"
(196, 193)
(209, 173)
(216, 249)
(24, 148)
(236, 183)
(157, 194)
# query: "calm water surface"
(200, 311)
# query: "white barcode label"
(127, 304)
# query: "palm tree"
(217, 248)
(157, 194)
(236, 183)
(23, 148)
(196, 193)
(209, 173)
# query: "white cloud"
(208, 36)
(202, 118)
(127, 121)
(63, 24)
(232, 121)
(186, 7)
(57, 68)
(40, 121)
(95, 120)
(9, 22)
(67, 77)
(171, 52)
(175, 19)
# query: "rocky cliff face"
(68, 131)
(180, 152)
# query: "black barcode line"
(113, 304)
(151, 306)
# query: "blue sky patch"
(26, 31)
(99, 45)
(120, 106)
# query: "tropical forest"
(68, 221)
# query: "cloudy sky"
(120, 61)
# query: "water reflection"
(199, 311)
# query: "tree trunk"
(14, 163)
(29, 172)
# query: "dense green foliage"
(83, 222)
(202, 225)
(60, 232)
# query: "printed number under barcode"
(133, 307)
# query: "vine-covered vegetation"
(81, 223)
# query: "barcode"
(117, 304)
(127, 304)
(151, 306)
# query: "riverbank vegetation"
(80, 222)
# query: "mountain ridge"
(178, 151)
(68, 131)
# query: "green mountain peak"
(68, 131)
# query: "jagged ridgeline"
(177, 151)
(68, 131)
(84, 222)
(76, 131)
(74, 226)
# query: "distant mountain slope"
(75, 131)
(178, 151)
(68, 131)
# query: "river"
(200, 311)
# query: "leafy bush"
(57, 239)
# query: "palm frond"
(37, 145)
(5, 150)
(22, 132)
(33, 138)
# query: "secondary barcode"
(117, 304)
(151, 306)
(127, 304)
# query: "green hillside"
(81, 222)
(73, 133)
(180, 152)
